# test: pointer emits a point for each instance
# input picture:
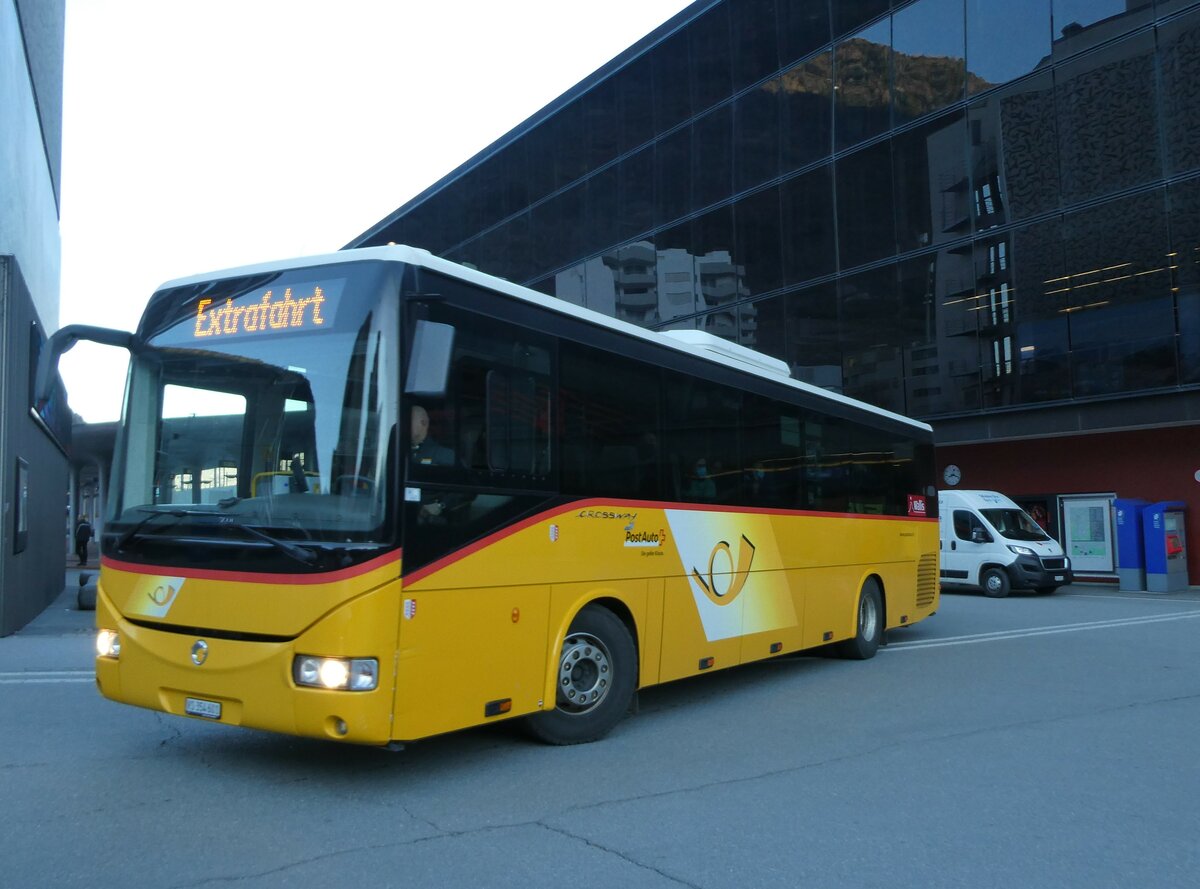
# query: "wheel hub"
(584, 673)
(868, 618)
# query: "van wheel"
(995, 583)
(596, 677)
(869, 631)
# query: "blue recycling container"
(1131, 543)
(1165, 534)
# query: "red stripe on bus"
(256, 577)
(444, 562)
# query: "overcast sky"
(200, 136)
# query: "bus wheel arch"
(595, 676)
(870, 621)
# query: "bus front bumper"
(241, 683)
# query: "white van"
(990, 543)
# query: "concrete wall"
(32, 578)
(31, 65)
(30, 148)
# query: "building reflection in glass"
(959, 205)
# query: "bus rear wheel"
(596, 678)
(870, 625)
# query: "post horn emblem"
(199, 652)
(737, 579)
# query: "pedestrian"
(83, 533)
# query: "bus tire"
(596, 678)
(995, 583)
(869, 627)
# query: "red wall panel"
(1155, 464)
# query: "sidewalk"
(62, 616)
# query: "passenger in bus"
(762, 485)
(425, 450)
(699, 486)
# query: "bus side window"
(496, 411)
(702, 422)
(771, 453)
(517, 437)
(827, 465)
(610, 445)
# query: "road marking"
(1000, 635)
(1148, 598)
(47, 677)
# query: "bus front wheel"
(870, 625)
(596, 677)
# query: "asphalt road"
(1026, 742)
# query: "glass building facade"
(954, 209)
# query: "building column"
(72, 506)
(101, 497)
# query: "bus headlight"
(108, 644)
(1022, 550)
(344, 674)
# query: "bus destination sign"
(268, 314)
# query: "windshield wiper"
(176, 514)
(299, 553)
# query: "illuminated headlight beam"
(337, 674)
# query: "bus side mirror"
(429, 364)
(62, 341)
(978, 535)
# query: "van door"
(966, 547)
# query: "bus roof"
(706, 346)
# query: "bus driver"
(426, 450)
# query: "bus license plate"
(1058, 576)
(197, 707)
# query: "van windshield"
(1015, 524)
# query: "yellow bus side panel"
(699, 583)
(684, 641)
(756, 646)
(829, 603)
(652, 632)
(461, 649)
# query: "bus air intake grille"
(927, 580)
(232, 635)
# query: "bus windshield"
(259, 422)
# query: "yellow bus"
(374, 497)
